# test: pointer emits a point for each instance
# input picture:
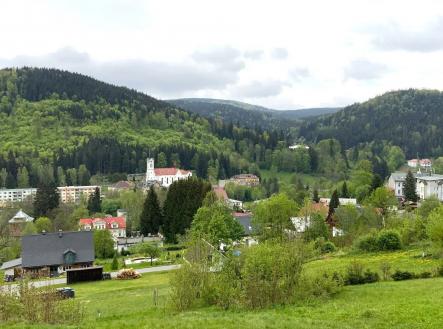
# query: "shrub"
(38, 305)
(425, 275)
(386, 270)
(370, 277)
(320, 286)
(324, 246)
(368, 242)
(440, 271)
(389, 240)
(402, 275)
(356, 275)
(114, 264)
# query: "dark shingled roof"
(48, 249)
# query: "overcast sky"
(279, 54)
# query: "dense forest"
(411, 119)
(63, 127)
(248, 115)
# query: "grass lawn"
(311, 180)
(405, 304)
(405, 260)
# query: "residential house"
(164, 176)
(116, 225)
(245, 180)
(17, 223)
(427, 184)
(343, 201)
(12, 269)
(423, 163)
(122, 185)
(245, 220)
(49, 254)
(299, 146)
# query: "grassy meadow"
(404, 304)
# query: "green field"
(405, 304)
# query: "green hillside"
(411, 119)
(51, 119)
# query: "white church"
(164, 176)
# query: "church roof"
(169, 171)
(21, 217)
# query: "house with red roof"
(164, 176)
(116, 225)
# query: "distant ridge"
(248, 114)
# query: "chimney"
(60, 233)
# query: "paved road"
(51, 282)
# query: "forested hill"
(247, 114)
(411, 119)
(54, 123)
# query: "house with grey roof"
(49, 254)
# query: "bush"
(38, 305)
(440, 271)
(402, 275)
(389, 240)
(356, 275)
(328, 247)
(385, 240)
(324, 246)
(174, 247)
(260, 276)
(368, 243)
(425, 275)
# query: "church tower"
(150, 174)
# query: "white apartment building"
(16, 195)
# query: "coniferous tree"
(410, 188)
(344, 190)
(333, 204)
(315, 196)
(182, 202)
(46, 199)
(95, 202)
(151, 217)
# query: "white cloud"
(362, 69)
(280, 53)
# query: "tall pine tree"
(410, 188)
(46, 199)
(95, 202)
(344, 190)
(333, 204)
(151, 217)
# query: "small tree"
(95, 202)
(410, 188)
(333, 204)
(315, 196)
(43, 224)
(103, 244)
(114, 265)
(149, 250)
(344, 190)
